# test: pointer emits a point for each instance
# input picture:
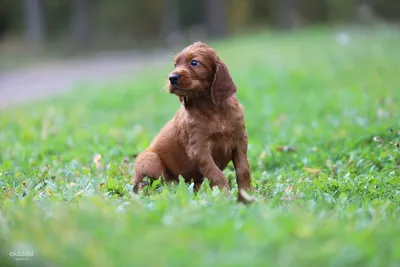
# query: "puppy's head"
(199, 72)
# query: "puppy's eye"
(194, 63)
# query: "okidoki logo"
(21, 253)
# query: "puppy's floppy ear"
(222, 86)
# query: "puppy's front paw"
(244, 197)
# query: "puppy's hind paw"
(139, 186)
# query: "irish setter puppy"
(206, 133)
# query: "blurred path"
(41, 80)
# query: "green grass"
(333, 201)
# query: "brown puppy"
(206, 133)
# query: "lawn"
(322, 117)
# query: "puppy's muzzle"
(174, 78)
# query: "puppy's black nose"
(173, 79)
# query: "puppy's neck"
(185, 101)
(203, 103)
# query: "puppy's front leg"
(209, 169)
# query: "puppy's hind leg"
(147, 164)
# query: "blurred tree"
(34, 23)
(191, 13)
(81, 22)
(389, 9)
(261, 12)
(365, 12)
(342, 11)
(170, 26)
(286, 13)
(216, 17)
(125, 22)
(4, 17)
(57, 15)
(192, 20)
(313, 11)
(240, 14)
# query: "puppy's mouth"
(173, 89)
(177, 90)
(192, 89)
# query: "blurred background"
(33, 31)
(77, 25)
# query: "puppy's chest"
(218, 126)
(218, 132)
